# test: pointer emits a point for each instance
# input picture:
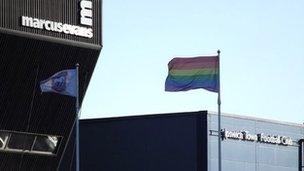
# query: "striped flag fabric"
(193, 73)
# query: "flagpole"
(219, 116)
(77, 117)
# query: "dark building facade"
(175, 141)
(37, 39)
(187, 142)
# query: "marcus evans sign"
(57, 27)
(86, 18)
(263, 138)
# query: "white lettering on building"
(86, 14)
(270, 139)
(57, 27)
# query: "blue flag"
(63, 82)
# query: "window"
(3, 139)
(20, 141)
(28, 142)
(45, 144)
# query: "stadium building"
(188, 142)
(37, 39)
(41, 37)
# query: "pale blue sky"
(262, 61)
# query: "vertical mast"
(219, 116)
(77, 117)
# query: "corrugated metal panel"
(23, 63)
(65, 11)
(240, 155)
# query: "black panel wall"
(64, 11)
(23, 64)
(30, 55)
(165, 142)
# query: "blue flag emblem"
(63, 82)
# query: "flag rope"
(30, 114)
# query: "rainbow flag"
(193, 73)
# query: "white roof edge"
(257, 119)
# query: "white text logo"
(57, 27)
(86, 14)
(270, 139)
